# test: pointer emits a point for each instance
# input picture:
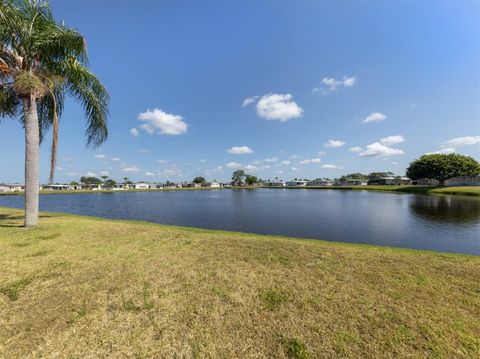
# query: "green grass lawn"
(78, 287)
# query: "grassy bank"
(84, 287)
(463, 191)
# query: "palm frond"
(82, 85)
(9, 102)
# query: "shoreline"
(236, 232)
(97, 285)
(471, 191)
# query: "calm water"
(441, 223)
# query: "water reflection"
(445, 209)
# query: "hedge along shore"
(87, 287)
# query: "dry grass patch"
(78, 287)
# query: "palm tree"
(41, 62)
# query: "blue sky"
(280, 88)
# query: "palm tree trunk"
(32, 173)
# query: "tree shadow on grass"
(11, 220)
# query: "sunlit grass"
(84, 287)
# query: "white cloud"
(356, 149)
(249, 100)
(90, 174)
(67, 159)
(203, 161)
(149, 174)
(461, 141)
(294, 169)
(329, 166)
(377, 149)
(321, 153)
(442, 151)
(58, 168)
(129, 168)
(73, 174)
(162, 162)
(349, 81)
(233, 165)
(392, 140)
(250, 168)
(171, 172)
(331, 85)
(279, 107)
(143, 151)
(104, 173)
(285, 163)
(134, 132)
(116, 159)
(311, 160)
(293, 157)
(162, 122)
(148, 128)
(334, 143)
(271, 159)
(240, 150)
(211, 171)
(374, 117)
(100, 157)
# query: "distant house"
(425, 182)
(352, 182)
(119, 187)
(57, 187)
(320, 182)
(389, 181)
(93, 187)
(191, 185)
(213, 184)
(141, 185)
(11, 187)
(157, 186)
(463, 181)
(274, 184)
(298, 183)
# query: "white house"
(352, 182)
(141, 185)
(12, 187)
(57, 187)
(214, 184)
(320, 182)
(298, 183)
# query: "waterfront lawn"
(80, 287)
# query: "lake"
(439, 223)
